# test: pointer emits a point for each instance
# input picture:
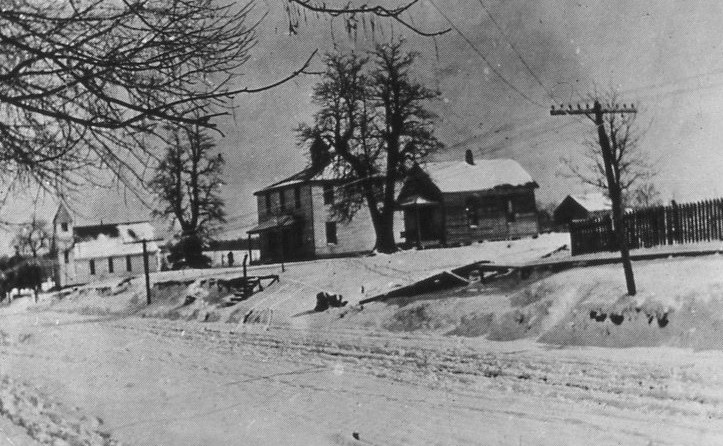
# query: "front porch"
(281, 239)
(423, 221)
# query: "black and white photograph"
(361, 222)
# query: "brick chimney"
(319, 153)
(468, 157)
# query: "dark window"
(64, 226)
(328, 194)
(129, 268)
(299, 236)
(268, 203)
(282, 200)
(331, 232)
(110, 264)
(297, 197)
(92, 267)
(489, 208)
(273, 243)
(471, 212)
(66, 256)
(524, 203)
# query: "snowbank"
(679, 303)
(192, 295)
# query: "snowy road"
(166, 382)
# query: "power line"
(514, 48)
(484, 58)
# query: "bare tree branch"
(630, 164)
(85, 84)
(351, 15)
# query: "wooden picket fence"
(676, 224)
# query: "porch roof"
(417, 201)
(273, 223)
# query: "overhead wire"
(516, 51)
(485, 58)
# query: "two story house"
(295, 220)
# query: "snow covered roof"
(593, 201)
(330, 172)
(459, 176)
(121, 239)
(307, 175)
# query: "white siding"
(82, 268)
(354, 236)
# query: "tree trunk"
(384, 229)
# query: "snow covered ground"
(539, 361)
(156, 381)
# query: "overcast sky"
(665, 55)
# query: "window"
(299, 236)
(92, 267)
(282, 200)
(489, 207)
(66, 256)
(64, 226)
(268, 203)
(297, 197)
(129, 268)
(328, 194)
(110, 264)
(471, 212)
(331, 232)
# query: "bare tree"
(645, 195)
(188, 186)
(614, 162)
(82, 82)
(631, 166)
(376, 124)
(32, 237)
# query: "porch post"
(419, 230)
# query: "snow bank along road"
(155, 381)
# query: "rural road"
(162, 382)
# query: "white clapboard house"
(89, 253)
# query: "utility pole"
(146, 269)
(612, 174)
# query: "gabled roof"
(113, 240)
(309, 174)
(593, 201)
(459, 176)
(62, 214)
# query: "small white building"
(580, 207)
(96, 252)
